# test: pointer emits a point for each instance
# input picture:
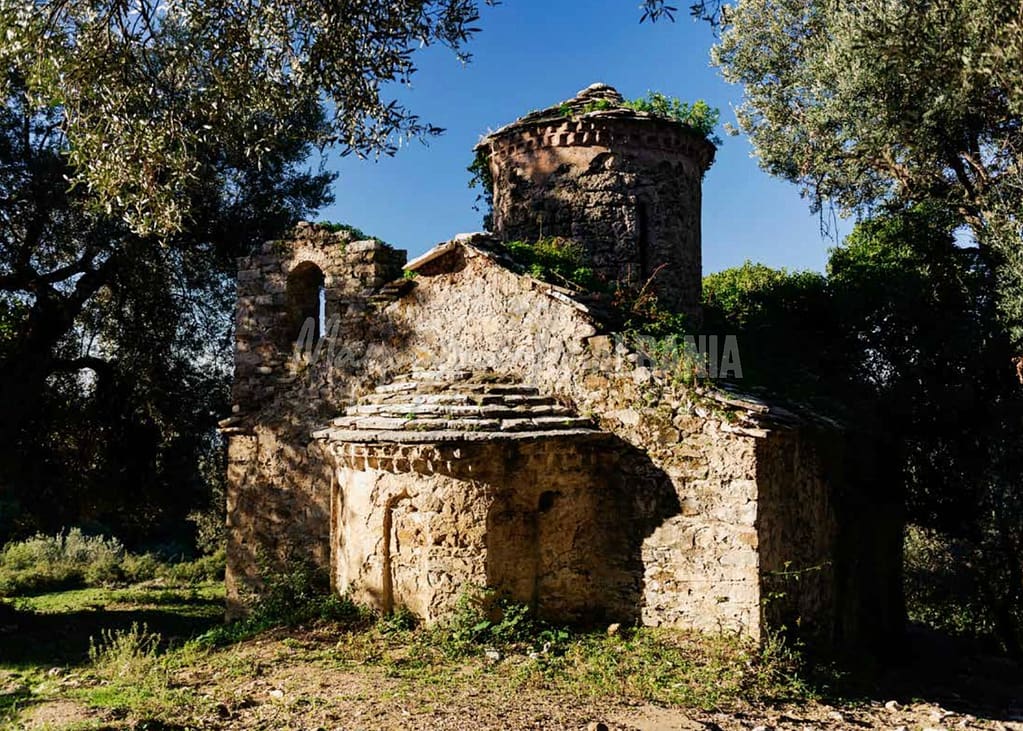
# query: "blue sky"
(531, 54)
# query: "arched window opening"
(306, 301)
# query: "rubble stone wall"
(417, 523)
(686, 500)
(693, 515)
(278, 501)
(627, 189)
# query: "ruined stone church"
(420, 427)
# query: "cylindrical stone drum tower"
(622, 183)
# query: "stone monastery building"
(421, 427)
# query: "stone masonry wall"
(628, 189)
(278, 479)
(688, 497)
(417, 523)
(798, 534)
(830, 531)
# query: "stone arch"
(305, 299)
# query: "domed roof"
(444, 406)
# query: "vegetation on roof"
(556, 260)
(698, 116)
(354, 233)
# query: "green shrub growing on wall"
(556, 260)
(699, 115)
(354, 233)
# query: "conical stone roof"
(452, 405)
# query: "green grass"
(192, 600)
(156, 654)
(74, 560)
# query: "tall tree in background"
(148, 93)
(874, 102)
(114, 348)
(903, 340)
(143, 146)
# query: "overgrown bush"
(296, 594)
(555, 259)
(661, 666)
(74, 560)
(62, 561)
(699, 115)
(682, 669)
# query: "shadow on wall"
(569, 541)
(279, 478)
(830, 530)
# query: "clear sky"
(532, 54)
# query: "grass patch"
(675, 669)
(190, 600)
(74, 560)
(486, 635)
(54, 629)
(144, 669)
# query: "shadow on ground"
(961, 675)
(47, 640)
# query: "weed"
(133, 676)
(399, 621)
(295, 594)
(482, 178)
(482, 620)
(557, 260)
(126, 654)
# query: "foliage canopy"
(150, 95)
(114, 347)
(902, 341)
(878, 103)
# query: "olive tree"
(873, 102)
(149, 91)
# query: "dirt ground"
(275, 683)
(310, 680)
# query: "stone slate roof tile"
(437, 406)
